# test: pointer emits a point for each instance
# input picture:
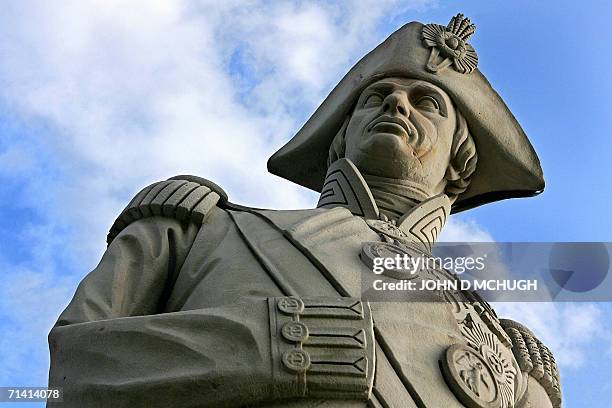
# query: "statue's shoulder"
(534, 359)
(184, 198)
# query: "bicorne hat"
(507, 163)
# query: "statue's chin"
(386, 145)
(397, 163)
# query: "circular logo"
(471, 377)
(290, 305)
(297, 361)
(295, 331)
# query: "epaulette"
(185, 198)
(535, 359)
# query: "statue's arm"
(135, 271)
(114, 345)
(537, 364)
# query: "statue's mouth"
(392, 125)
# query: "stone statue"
(199, 302)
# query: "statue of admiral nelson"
(200, 302)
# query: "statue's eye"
(372, 101)
(428, 103)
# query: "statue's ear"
(338, 145)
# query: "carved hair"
(462, 164)
(337, 149)
(463, 160)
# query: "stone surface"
(199, 302)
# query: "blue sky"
(99, 98)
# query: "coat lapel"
(332, 240)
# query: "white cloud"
(29, 305)
(464, 231)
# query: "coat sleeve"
(114, 347)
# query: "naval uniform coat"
(198, 302)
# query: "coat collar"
(344, 186)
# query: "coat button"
(290, 305)
(297, 361)
(295, 332)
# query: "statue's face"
(402, 128)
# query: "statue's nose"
(395, 103)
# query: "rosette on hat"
(507, 163)
(451, 43)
